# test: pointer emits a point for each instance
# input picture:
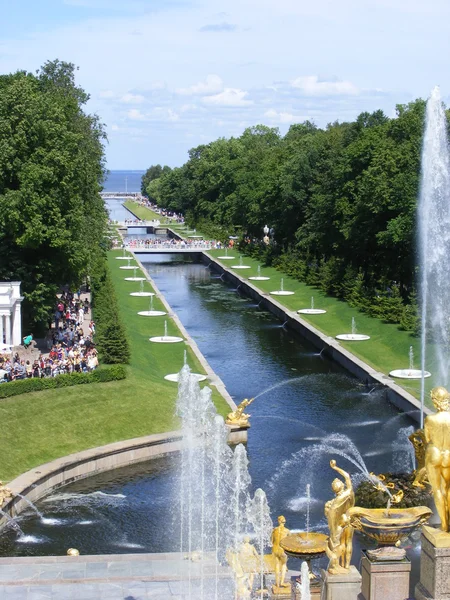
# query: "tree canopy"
(341, 200)
(52, 218)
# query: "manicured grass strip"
(142, 212)
(41, 426)
(388, 347)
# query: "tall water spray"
(213, 488)
(434, 239)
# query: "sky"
(167, 75)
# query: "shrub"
(24, 386)
(110, 338)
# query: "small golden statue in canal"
(249, 559)
(340, 542)
(437, 453)
(5, 493)
(238, 417)
(280, 557)
(417, 439)
(242, 583)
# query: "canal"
(130, 510)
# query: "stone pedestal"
(346, 586)
(385, 580)
(434, 565)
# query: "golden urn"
(388, 526)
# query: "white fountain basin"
(409, 373)
(142, 294)
(166, 339)
(152, 313)
(240, 267)
(260, 278)
(128, 268)
(175, 377)
(226, 257)
(352, 337)
(123, 257)
(311, 311)
(282, 293)
(134, 279)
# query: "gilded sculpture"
(417, 439)
(280, 557)
(5, 493)
(238, 417)
(437, 453)
(340, 546)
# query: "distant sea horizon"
(123, 181)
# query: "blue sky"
(167, 75)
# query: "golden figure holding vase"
(437, 453)
(340, 543)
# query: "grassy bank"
(142, 212)
(41, 426)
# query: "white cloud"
(229, 97)
(283, 117)
(106, 94)
(114, 127)
(212, 85)
(132, 98)
(172, 115)
(312, 85)
(135, 115)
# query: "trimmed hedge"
(23, 386)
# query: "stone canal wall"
(326, 344)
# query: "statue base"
(342, 586)
(281, 592)
(384, 579)
(434, 581)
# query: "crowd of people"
(69, 340)
(193, 244)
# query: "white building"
(10, 313)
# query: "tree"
(52, 218)
(153, 172)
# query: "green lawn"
(142, 212)
(42, 426)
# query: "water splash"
(434, 239)
(305, 583)
(312, 302)
(259, 517)
(354, 330)
(308, 507)
(411, 358)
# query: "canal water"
(130, 510)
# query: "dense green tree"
(341, 200)
(52, 219)
(152, 173)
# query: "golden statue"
(417, 439)
(5, 493)
(243, 588)
(339, 548)
(437, 453)
(280, 557)
(249, 559)
(238, 417)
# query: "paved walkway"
(108, 577)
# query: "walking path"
(108, 577)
